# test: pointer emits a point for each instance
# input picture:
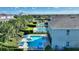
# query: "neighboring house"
(6, 17)
(64, 31)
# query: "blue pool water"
(41, 24)
(38, 42)
(42, 29)
(21, 43)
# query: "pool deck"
(38, 34)
(25, 45)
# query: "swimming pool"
(38, 42)
(41, 29)
(21, 43)
(41, 24)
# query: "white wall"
(6, 17)
(60, 38)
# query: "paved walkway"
(38, 34)
(25, 45)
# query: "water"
(21, 43)
(41, 27)
(41, 24)
(37, 42)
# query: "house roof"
(6, 14)
(65, 21)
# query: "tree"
(15, 16)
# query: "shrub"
(4, 49)
(18, 49)
(34, 22)
(31, 25)
(10, 49)
(71, 49)
(28, 30)
(48, 48)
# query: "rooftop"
(65, 21)
(6, 14)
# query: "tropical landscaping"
(13, 31)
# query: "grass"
(21, 34)
(27, 29)
(11, 43)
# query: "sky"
(40, 10)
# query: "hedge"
(71, 49)
(28, 30)
(10, 49)
(32, 24)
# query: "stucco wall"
(60, 38)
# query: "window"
(67, 44)
(56, 47)
(68, 32)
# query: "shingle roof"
(65, 21)
(6, 14)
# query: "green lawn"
(27, 29)
(11, 43)
(21, 34)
